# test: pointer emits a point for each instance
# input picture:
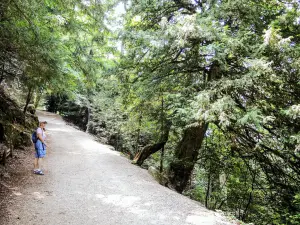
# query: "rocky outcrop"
(15, 126)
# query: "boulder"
(31, 109)
(160, 178)
(104, 140)
(111, 148)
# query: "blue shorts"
(40, 153)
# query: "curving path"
(88, 184)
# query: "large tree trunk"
(186, 154)
(152, 148)
(187, 150)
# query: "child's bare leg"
(40, 163)
(36, 164)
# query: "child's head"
(43, 124)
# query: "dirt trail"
(87, 183)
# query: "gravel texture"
(87, 183)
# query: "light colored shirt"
(39, 144)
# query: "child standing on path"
(40, 148)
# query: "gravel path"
(87, 183)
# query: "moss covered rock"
(14, 124)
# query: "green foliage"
(232, 64)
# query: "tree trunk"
(249, 200)
(151, 149)
(146, 152)
(185, 157)
(208, 190)
(138, 133)
(2, 74)
(161, 168)
(4, 157)
(11, 148)
(37, 99)
(88, 117)
(29, 95)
